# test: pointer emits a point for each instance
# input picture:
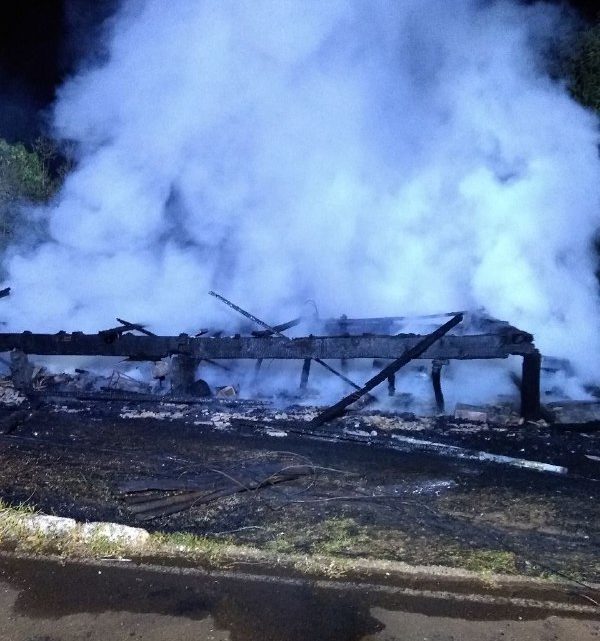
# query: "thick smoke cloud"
(382, 157)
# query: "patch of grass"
(99, 545)
(332, 537)
(329, 548)
(479, 560)
(340, 536)
(22, 509)
(15, 533)
(11, 517)
(191, 544)
(281, 545)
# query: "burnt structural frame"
(498, 340)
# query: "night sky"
(43, 41)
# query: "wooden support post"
(21, 370)
(530, 386)
(183, 373)
(391, 385)
(257, 366)
(436, 379)
(343, 331)
(305, 374)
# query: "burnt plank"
(153, 348)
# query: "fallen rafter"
(336, 410)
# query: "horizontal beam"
(154, 348)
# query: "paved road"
(50, 601)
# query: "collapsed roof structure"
(464, 336)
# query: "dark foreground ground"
(57, 601)
(363, 500)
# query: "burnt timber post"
(530, 386)
(257, 368)
(391, 385)
(21, 369)
(436, 379)
(183, 373)
(305, 374)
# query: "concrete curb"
(66, 538)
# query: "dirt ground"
(363, 500)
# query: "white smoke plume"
(381, 157)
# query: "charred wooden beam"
(382, 325)
(153, 348)
(205, 488)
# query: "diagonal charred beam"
(422, 346)
(278, 328)
(276, 332)
(136, 326)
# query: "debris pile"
(390, 343)
(149, 498)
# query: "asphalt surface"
(44, 600)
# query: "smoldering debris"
(390, 370)
(177, 359)
(384, 153)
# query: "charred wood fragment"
(183, 374)
(203, 488)
(136, 326)
(277, 328)
(391, 385)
